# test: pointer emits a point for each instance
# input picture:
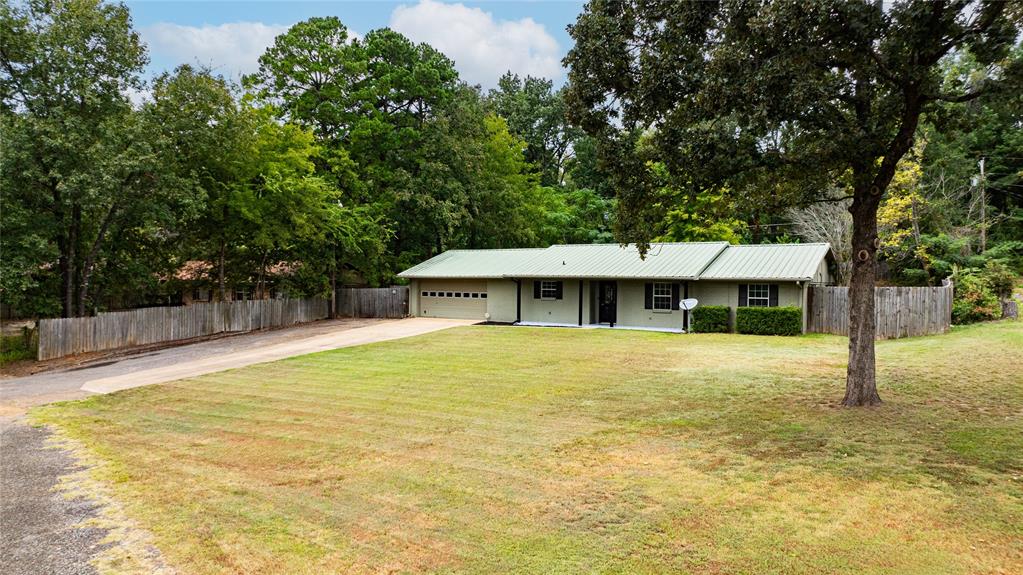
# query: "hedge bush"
(711, 319)
(769, 320)
(973, 300)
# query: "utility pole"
(983, 209)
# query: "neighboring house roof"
(194, 270)
(767, 261)
(678, 261)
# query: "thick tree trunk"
(860, 382)
(63, 261)
(220, 268)
(869, 186)
(333, 283)
(90, 260)
(65, 273)
(69, 262)
(261, 282)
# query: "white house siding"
(822, 276)
(632, 298)
(561, 311)
(727, 293)
(501, 300)
(413, 298)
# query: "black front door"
(608, 310)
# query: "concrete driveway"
(16, 395)
(44, 531)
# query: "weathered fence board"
(389, 302)
(899, 311)
(113, 330)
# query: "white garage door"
(453, 299)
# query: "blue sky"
(483, 38)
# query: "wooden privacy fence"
(113, 330)
(389, 302)
(899, 311)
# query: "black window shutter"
(648, 296)
(536, 289)
(558, 290)
(675, 295)
(743, 301)
(772, 300)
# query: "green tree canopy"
(76, 155)
(736, 92)
(535, 112)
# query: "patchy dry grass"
(492, 449)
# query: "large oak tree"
(76, 157)
(752, 93)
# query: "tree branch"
(958, 98)
(829, 200)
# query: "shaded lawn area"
(15, 348)
(496, 449)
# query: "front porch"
(600, 302)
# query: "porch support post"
(804, 298)
(685, 312)
(518, 300)
(580, 303)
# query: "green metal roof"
(767, 262)
(682, 261)
(676, 261)
(473, 264)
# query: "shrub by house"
(711, 319)
(769, 320)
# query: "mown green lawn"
(500, 450)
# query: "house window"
(548, 289)
(241, 295)
(475, 295)
(758, 295)
(465, 294)
(449, 294)
(662, 296)
(200, 294)
(483, 295)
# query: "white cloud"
(483, 48)
(138, 97)
(232, 48)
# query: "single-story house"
(611, 285)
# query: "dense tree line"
(341, 160)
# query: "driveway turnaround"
(192, 360)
